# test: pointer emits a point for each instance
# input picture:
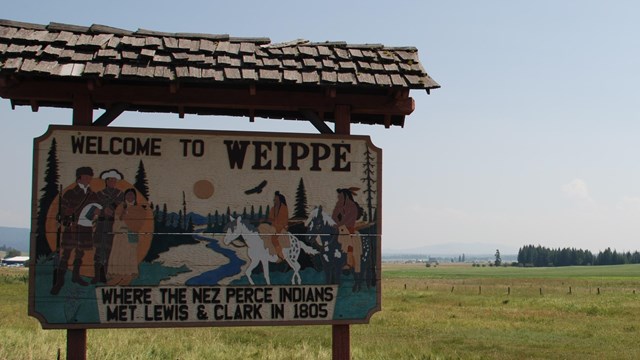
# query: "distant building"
(16, 261)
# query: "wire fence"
(525, 288)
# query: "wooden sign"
(150, 228)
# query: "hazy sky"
(532, 139)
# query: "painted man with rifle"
(78, 209)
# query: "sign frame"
(266, 158)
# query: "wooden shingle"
(63, 37)
(383, 79)
(94, 69)
(308, 51)
(112, 70)
(347, 78)
(148, 53)
(53, 50)
(81, 56)
(269, 75)
(366, 78)
(101, 40)
(249, 59)
(170, 42)
(47, 67)
(161, 58)
(114, 42)
(247, 48)
(232, 74)
(12, 64)
(249, 74)
(223, 47)
(329, 77)
(309, 62)
(152, 42)
(7, 33)
(292, 76)
(324, 51)
(207, 46)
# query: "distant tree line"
(539, 256)
(10, 252)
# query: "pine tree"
(209, 223)
(141, 181)
(498, 261)
(49, 192)
(164, 220)
(180, 224)
(190, 226)
(300, 210)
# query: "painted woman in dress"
(128, 219)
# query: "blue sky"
(532, 139)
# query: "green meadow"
(443, 312)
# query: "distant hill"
(16, 238)
(453, 250)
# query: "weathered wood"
(340, 335)
(343, 119)
(77, 338)
(316, 121)
(76, 344)
(110, 114)
(82, 109)
(158, 98)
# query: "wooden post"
(82, 110)
(77, 338)
(76, 344)
(341, 341)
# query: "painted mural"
(146, 227)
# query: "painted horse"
(322, 230)
(258, 251)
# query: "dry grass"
(421, 319)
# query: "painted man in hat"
(345, 214)
(109, 198)
(78, 232)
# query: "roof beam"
(111, 114)
(150, 96)
(317, 122)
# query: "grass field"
(446, 312)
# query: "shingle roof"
(102, 67)
(98, 51)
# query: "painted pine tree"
(300, 209)
(49, 192)
(141, 181)
(369, 182)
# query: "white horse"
(259, 253)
